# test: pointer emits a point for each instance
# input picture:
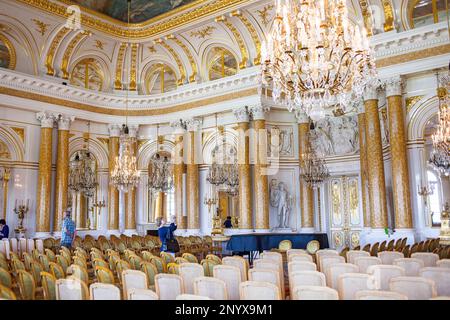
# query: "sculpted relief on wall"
(283, 137)
(336, 136)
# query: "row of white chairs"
(20, 246)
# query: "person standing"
(165, 232)
(67, 230)
(4, 229)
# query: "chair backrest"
(255, 290)
(186, 296)
(334, 271)
(22, 245)
(104, 291)
(168, 286)
(5, 278)
(365, 262)
(239, 262)
(411, 266)
(301, 266)
(353, 254)
(350, 283)
(30, 246)
(274, 256)
(6, 293)
(383, 274)
(13, 245)
(300, 257)
(441, 278)
(327, 261)
(415, 288)
(39, 245)
(150, 270)
(210, 287)
(296, 251)
(306, 278)
(429, 259)
(314, 293)
(133, 279)
(5, 248)
(443, 263)
(265, 275)
(48, 285)
(190, 271)
(324, 252)
(142, 294)
(388, 257)
(379, 295)
(104, 275)
(231, 275)
(27, 285)
(78, 272)
(71, 289)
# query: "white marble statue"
(281, 200)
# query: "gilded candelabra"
(21, 209)
(444, 236)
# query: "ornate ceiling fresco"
(141, 10)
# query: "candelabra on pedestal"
(96, 209)
(21, 209)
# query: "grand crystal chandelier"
(161, 175)
(315, 59)
(312, 168)
(125, 175)
(440, 156)
(223, 171)
(82, 171)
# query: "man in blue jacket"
(4, 229)
(165, 232)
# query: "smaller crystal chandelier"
(161, 176)
(82, 171)
(313, 169)
(440, 156)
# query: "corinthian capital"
(114, 130)
(64, 121)
(179, 127)
(133, 130)
(47, 119)
(302, 117)
(194, 124)
(259, 112)
(371, 90)
(241, 114)
(394, 86)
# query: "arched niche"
(7, 53)
(160, 78)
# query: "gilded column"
(113, 192)
(363, 166)
(245, 197)
(130, 196)
(400, 175)
(45, 174)
(375, 167)
(81, 212)
(306, 192)
(6, 178)
(192, 172)
(178, 170)
(261, 184)
(62, 170)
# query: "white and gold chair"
(365, 262)
(306, 278)
(104, 291)
(271, 264)
(210, 287)
(327, 261)
(441, 278)
(379, 295)
(265, 275)
(71, 289)
(14, 246)
(429, 259)
(30, 246)
(350, 283)
(290, 252)
(22, 246)
(388, 257)
(351, 255)
(255, 290)
(334, 271)
(186, 296)
(415, 288)
(300, 257)
(239, 262)
(301, 266)
(39, 245)
(141, 294)
(190, 271)
(324, 252)
(168, 286)
(314, 293)
(383, 274)
(133, 279)
(5, 248)
(231, 275)
(411, 266)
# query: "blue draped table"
(267, 241)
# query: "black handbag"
(172, 243)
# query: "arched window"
(423, 12)
(222, 63)
(88, 74)
(7, 53)
(434, 199)
(160, 78)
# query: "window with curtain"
(434, 199)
